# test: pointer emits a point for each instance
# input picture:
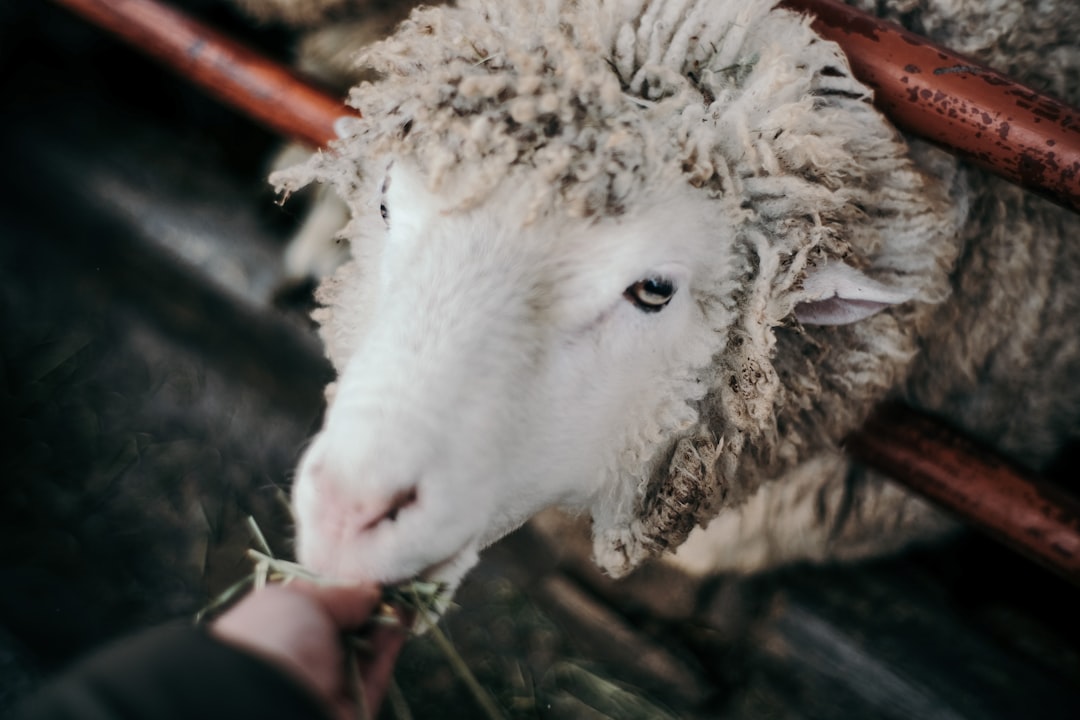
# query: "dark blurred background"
(158, 382)
(150, 397)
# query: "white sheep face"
(491, 368)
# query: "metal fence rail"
(983, 116)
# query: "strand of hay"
(483, 697)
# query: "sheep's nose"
(368, 515)
(342, 507)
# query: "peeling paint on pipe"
(971, 110)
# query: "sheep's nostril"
(388, 510)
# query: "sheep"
(652, 262)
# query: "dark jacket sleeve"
(173, 672)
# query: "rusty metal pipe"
(1029, 515)
(1025, 513)
(234, 73)
(971, 110)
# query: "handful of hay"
(415, 604)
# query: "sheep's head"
(502, 368)
(565, 287)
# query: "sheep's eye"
(383, 209)
(651, 294)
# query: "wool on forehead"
(601, 101)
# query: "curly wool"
(468, 93)
(492, 97)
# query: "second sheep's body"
(653, 261)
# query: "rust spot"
(1062, 551)
(913, 69)
(957, 69)
(926, 94)
(1051, 143)
(1003, 131)
(1053, 114)
(1031, 169)
(860, 25)
(1025, 94)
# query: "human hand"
(298, 627)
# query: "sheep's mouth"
(449, 572)
(432, 572)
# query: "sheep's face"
(490, 369)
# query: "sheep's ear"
(838, 294)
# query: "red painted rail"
(1032, 516)
(975, 112)
(927, 90)
(234, 73)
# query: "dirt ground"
(157, 384)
